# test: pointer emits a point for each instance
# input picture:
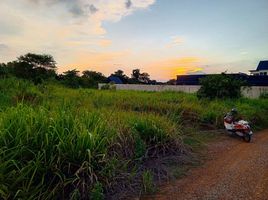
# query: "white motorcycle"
(240, 128)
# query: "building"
(115, 80)
(262, 69)
(195, 79)
(258, 77)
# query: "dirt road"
(235, 170)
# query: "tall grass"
(59, 143)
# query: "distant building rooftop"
(263, 65)
(262, 69)
(115, 79)
(249, 80)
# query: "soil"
(234, 170)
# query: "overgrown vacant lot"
(59, 143)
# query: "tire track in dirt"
(234, 170)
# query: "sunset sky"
(161, 37)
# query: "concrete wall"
(252, 92)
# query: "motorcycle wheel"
(247, 138)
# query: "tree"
(71, 78)
(144, 78)
(135, 74)
(138, 77)
(4, 70)
(39, 61)
(171, 82)
(21, 70)
(92, 78)
(220, 86)
(35, 67)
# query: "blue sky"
(161, 37)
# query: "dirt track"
(235, 170)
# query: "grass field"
(60, 143)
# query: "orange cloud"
(105, 43)
(99, 61)
(170, 68)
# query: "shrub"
(264, 95)
(109, 86)
(148, 184)
(97, 192)
(220, 86)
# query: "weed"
(60, 143)
(148, 182)
(97, 192)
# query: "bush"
(109, 86)
(147, 179)
(220, 86)
(97, 192)
(264, 95)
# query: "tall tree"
(138, 77)
(135, 74)
(39, 61)
(36, 67)
(71, 78)
(92, 78)
(144, 78)
(3, 69)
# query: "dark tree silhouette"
(39, 61)
(35, 67)
(71, 78)
(144, 78)
(4, 71)
(171, 82)
(91, 79)
(138, 77)
(135, 74)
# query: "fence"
(251, 92)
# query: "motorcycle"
(240, 128)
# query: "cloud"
(244, 53)
(63, 28)
(172, 67)
(91, 13)
(105, 43)
(100, 61)
(198, 70)
(176, 41)
(93, 9)
(3, 47)
(128, 4)
(78, 16)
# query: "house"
(262, 69)
(258, 77)
(115, 80)
(195, 79)
(249, 80)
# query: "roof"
(263, 65)
(249, 80)
(115, 79)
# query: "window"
(265, 73)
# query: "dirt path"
(235, 170)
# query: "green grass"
(59, 143)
